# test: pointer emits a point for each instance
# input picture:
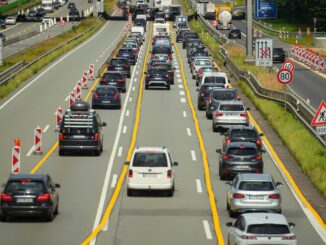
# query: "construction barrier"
(15, 159)
(78, 90)
(59, 115)
(91, 72)
(38, 141)
(71, 98)
(84, 80)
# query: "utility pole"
(249, 52)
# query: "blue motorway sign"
(265, 9)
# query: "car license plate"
(79, 136)
(242, 167)
(149, 175)
(256, 197)
(106, 101)
(24, 200)
(112, 83)
(231, 114)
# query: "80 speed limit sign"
(284, 76)
(289, 65)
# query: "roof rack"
(78, 119)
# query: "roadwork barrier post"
(38, 141)
(78, 90)
(84, 80)
(15, 159)
(58, 118)
(91, 72)
(71, 98)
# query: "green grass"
(301, 143)
(43, 48)
(109, 5)
(16, 5)
(279, 24)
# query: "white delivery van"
(161, 29)
(138, 29)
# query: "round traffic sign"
(289, 65)
(214, 23)
(62, 22)
(284, 76)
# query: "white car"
(151, 168)
(11, 20)
(261, 228)
(215, 77)
(199, 62)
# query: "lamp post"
(249, 52)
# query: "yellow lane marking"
(209, 187)
(288, 175)
(122, 176)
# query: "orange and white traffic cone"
(91, 72)
(71, 98)
(78, 90)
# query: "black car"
(81, 130)
(235, 34)
(243, 157)
(129, 54)
(157, 77)
(2, 24)
(165, 65)
(114, 78)
(56, 4)
(187, 36)
(162, 50)
(74, 15)
(197, 53)
(106, 96)
(41, 11)
(159, 15)
(278, 55)
(71, 6)
(119, 65)
(203, 93)
(217, 95)
(29, 195)
(21, 18)
(193, 41)
(243, 134)
(180, 34)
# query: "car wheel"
(61, 152)
(208, 116)
(130, 193)
(146, 87)
(168, 87)
(213, 127)
(222, 177)
(232, 214)
(197, 84)
(50, 216)
(170, 193)
(200, 108)
(56, 211)
(97, 152)
(3, 217)
(124, 90)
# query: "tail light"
(148, 75)
(6, 197)
(258, 171)
(243, 115)
(218, 114)
(248, 237)
(274, 196)
(227, 157)
(130, 173)
(96, 136)
(116, 96)
(238, 97)
(121, 81)
(289, 238)
(169, 174)
(258, 157)
(170, 56)
(210, 99)
(238, 195)
(227, 140)
(61, 136)
(95, 95)
(193, 68)
(200, 72)
(43, 197)
(126, 65)
(167, 75)
(258, 142)
(153, 55)
(202, 94)
(102, 80)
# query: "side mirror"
(127, 163)
(103, 124)
(229, 224)
(291, 224)
(261, 134)
(248, 108)
(219, 151)
(279, 184)
(175, 164)
(57, 185)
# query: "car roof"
(242, 127)
(231, 102)
(28, 176)
(254, 177)
(218, 74)
(263, 218)
(150, 148)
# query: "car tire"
(124, 90)
(130, 192)
(170, 193)
(146, 87)
(214, 129)
(168, 87)
(208, 116)
(97, 152)
(56, 211)
(3, 217)
(197, 84)
(232, 214)
(200, 108)
(50, 216)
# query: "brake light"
(130, 173)
(24, 180)
(44, 197)
(289, 238)
(6, 197)
(258, 157)
(274, 196)
(169, 174)
(116, 96)
(61, 136)
(210, 99)
(218, 114)
(96, 136)
(227, 140)
(200, 71)
(258, 142)
(248, 237)
(170, 56)
(202, 94)
(95, 95)
(193, 68)
(121, 81)
(153, 56)
(226, 157)
(148, 75)
(167, 75)
(102, 80)
(238, 195)
(238, 97)
(126, 65)
(243, 115)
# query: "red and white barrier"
(78, 90)
(71, 98)
(309, 57)
(38, 148)
(15, 158)
(84, 80)
(91, 72)
(59, 115)
(321, 67)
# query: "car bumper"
(139, 186)
(26, 211)
(234, 169)
(241, 207)
(157, 82)
(221, 124)
(79, 146)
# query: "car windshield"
(159, 71)
(231, 108)
(150, 159)
(268, 229)
(106, 91)
(243, 134)
(215, 79)
(256, 186)
(224, 95)
(24, 185)
(242, 151)
(112, 75)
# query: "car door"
(51, 189)
(233, 231)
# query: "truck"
(48, 6)
(163, 3)
(223, 16)
(209, 11)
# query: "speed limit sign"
(289, 65)
(284, 76)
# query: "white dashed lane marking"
(124, 130)
(120, 151)
(193, 155)
(183, 100)
(127, 113)
(184, 113)
(207, 230)
(198, 185)
(188, 131)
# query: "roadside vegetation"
(16, 6)
(308, 152)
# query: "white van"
(161, 29)
(141, 16)
(138, 29)
(215, 77)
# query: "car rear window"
(243, 133)
(106, 90)
(224, 95)
(118, 61)
(206, 69)
(242, 151)
(148, 159)
(203, 62)
(112, 75)
(157, 71)
(161, 50)
(215, 79)
(231, 108)
(160, 29)
(24, 186)
(256, 186)
(268, 229)
(162, 42)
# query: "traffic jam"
(253, 197)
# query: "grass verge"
(109, 5)
(12, 7)
(43, 47)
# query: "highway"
(308, 84)
(87, 182)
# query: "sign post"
(62, 23)
(285, 76)
(319, 121)
(264, 52)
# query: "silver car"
(253, 192)
(261, 228)
(230, 113)
(199, 62)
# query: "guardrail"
(6, 75)
(20, 38)
(293, 101)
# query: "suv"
(151, 168)
(29, 195)
(234, 34)
(239, 158)
(81, 130)
(203, 93)
(119, 65)
(278, 55)
(157, 76)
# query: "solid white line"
(114, 180)
(46, 128)
(183, 100)
(182, 93)
(120, 151)
(184, 114)
(207, 230)
(30, 151)
(127, 113)
(124, 129)
(198, 185)
(188, 131)
(193, 155)
(112, 156)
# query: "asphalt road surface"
(165, 120)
